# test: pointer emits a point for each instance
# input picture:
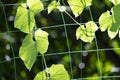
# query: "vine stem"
(76, 23)
(72, 18)
(45, 64)
(95, 38)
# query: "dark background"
(83, 55)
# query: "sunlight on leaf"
(28, 51)
(56, 72)
(24, 19)
(112, 34)
(53, 5)
(35, 5)
(30, 48)
(41, 41)
(87, 32)
(110, 20)
(41, 76)
(105, 21)
(115, 2)
(78, 6)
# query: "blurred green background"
(83, 55)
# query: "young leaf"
(87, 32)
(24, 19)
(105, 17)
(30, 47)
(35, 5)
(41, 76)
(78, 6)
(41, 41)
(112, 34)
(53, 5)
(28, 51)
(115, 2)
(109, 20)
(56, 72)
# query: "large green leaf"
(24, 19)
(28, 51)
(115, 2)
(78, 6)
(53, 5)
(87, 32)
(110, 20)
(30, 47)
(56, 72)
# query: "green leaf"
(29, 49)
(41, 41)
(87, 32)
(53, 5)
(24, 19)
(119, 33)
(78, 6)
(109, 20)
(105, 21)
(56, 72)
(35, 5)
(112, 34)
(41, 76)
(115, 2)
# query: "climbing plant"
(36, 41)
